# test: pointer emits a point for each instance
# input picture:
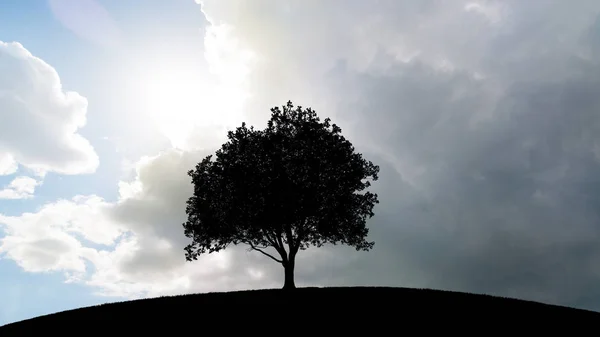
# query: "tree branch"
(270, 239)
(299, 236)
(290, 237)
(265, 253)
(280, 242)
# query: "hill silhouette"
(336, 309)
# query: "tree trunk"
(289, 274)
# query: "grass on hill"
(303, 310)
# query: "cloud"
(19, 188)
(135, 247)
(54, 238)
(40, 120)
(152, 260)
(8, 165)
(481, 114)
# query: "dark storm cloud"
(503, 203)
(484, 118)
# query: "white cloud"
(19, 188)
(152, 260)
(8, 165)
(144, 234)
(51, 238)
(52, 253)
(39, 119)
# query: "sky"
(483, 116)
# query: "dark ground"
(369, 311)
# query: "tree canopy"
(293, 185)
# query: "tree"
(294, 184)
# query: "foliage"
(297, 183)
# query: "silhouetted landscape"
(220, 145)
(341, 308)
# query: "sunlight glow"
(194, 98)
(180, 105)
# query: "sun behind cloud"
(184, 98)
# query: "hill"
(268, 311)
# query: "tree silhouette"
(289, 186)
